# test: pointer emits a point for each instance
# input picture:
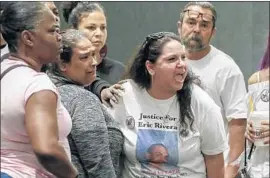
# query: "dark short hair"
(150, 50)
(4, 4)
(73, 11)
(20, 16)
(205, 5)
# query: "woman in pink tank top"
(34, 123)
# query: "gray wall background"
(242, 28)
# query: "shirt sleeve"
(90, 135)
(39, 82)
(213, 137)
(233, 95)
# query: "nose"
(196, 28)
(181, 62)
(98, 32)
(94, 62)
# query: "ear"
(62, 66)
(179, 26)
(150, 67)
(214, 32)
(27, 38)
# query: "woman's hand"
(111, 94)
(264, 132)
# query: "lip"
(97, 42)
(91, 72)
(183, 76)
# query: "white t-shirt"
(152, 144)
(17, 156)
(258, 99)
(224, 82)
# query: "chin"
(179, 86)
(88, 83)
(98, 46)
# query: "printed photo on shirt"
(157, 151)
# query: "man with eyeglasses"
(220, 75)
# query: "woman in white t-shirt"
(34, 123)
(258, 100)
(172, 128)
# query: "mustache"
(196, 38)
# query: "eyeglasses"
(196, 14)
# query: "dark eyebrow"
(206, 21)
(191, 18)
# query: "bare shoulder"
(253, 78)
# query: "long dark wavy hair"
(150, 50)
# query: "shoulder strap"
(5, 56)
(247, 157)
(11, 68)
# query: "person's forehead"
(84, 43)
(171, 47)
(200, 9)
(51, 5)
(48, 19)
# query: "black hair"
(4, 4)
(19, 16)
(151, 50)
(74, 10)
(206, 5)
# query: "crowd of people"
(180, 109)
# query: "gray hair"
(20, 16)
(70, 39)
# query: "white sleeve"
(118, 112)
(233, 96)
(213, 137)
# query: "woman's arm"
(214, 165)
(42, 128)
(90, 135)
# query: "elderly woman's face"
(82, 67)
(46, 38)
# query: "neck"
(197, 55)
(30, 61)
(160, 93)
